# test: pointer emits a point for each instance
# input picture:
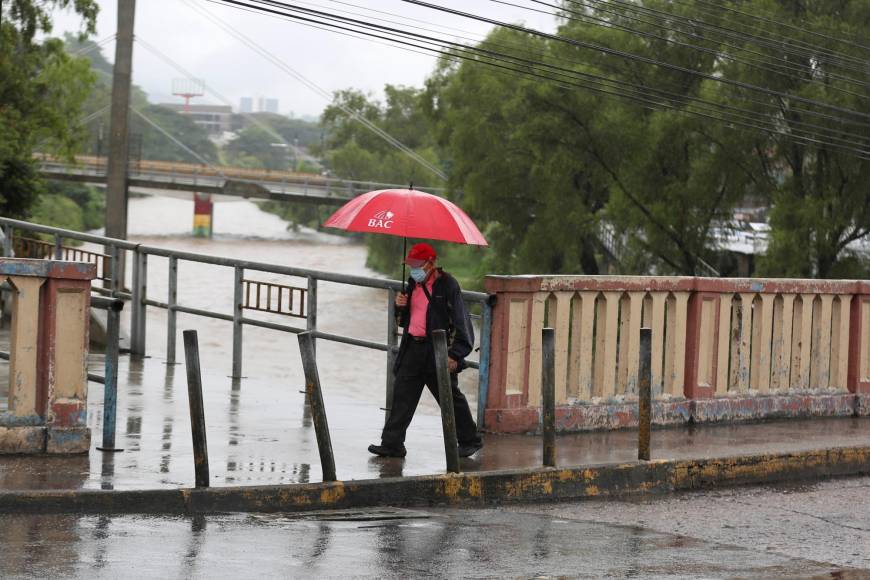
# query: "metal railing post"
(311, 314)
(115, 284)
(238, 276)
(58, 247)
(171, 314)
(140, 294)
(483, 370)
(314, 395)
(197, 412)
(392, 341)
(445, 400)
(548, 394)
(644, 395)
(110, 386)
(134, 299)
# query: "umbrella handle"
(404, 253)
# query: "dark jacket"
(446, 311)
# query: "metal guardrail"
(136, 255)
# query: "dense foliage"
(569, 179)
(42, 89)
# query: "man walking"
(433, 302)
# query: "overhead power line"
(637, 58)
(525, 51)
(265, 127)
(757, 60)
(92, 47)
(778, 44)
(316, 88)
(763, 19)
(738, 117)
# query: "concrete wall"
(722, 349)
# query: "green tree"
(547, 165)
(258, 148)
(354, 151)
(817, 193)
(41, 93)
(146, 141)
(152, 143)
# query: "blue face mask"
(418, 274)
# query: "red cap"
(420, 254)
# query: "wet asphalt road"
(810, 531)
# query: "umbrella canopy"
(406, 213)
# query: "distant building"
(213, 118)
(268, 105)
(264, 105)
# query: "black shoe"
(386, 451)
(470, 449)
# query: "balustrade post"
(859, 351)
(702, 345)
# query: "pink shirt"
(419, 306)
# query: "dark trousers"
(416, 369)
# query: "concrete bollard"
(548, 395)
(110, 385)
(644, 395)
(445, 399)
(197, 412)
(315, 401)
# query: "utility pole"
(119, 140)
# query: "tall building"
(265, 105)
(246, 105)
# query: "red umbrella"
(407, 213)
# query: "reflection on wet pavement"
(378, 544)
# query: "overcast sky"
(327, 59)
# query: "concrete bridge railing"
(48, 352)
(723, 349)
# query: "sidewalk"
(259, 434)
